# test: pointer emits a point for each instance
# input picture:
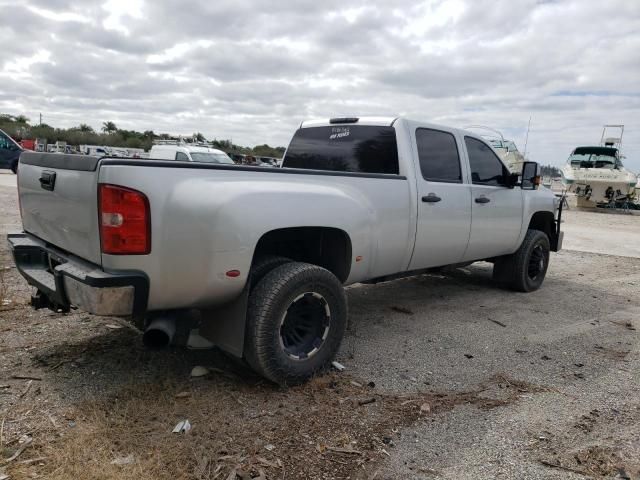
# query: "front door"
(496, 216)
(444, 201)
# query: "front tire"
(296, 319)
(525, 270)
(14, 168)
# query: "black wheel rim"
(305, 326)
(536, 262)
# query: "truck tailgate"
(58, 201)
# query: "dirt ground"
(447, 377)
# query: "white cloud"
(252, 70)
(118, 11)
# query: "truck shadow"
(380, 315)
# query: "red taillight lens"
(125, 221)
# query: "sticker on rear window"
(339, 132)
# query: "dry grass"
(321, 429)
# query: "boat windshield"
(591, 160)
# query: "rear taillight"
(125, 221)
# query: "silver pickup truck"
(256, 259)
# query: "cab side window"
(438, 154)
(182, 157)
(486, 167)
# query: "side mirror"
(511, 179)
(530, 176)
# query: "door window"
(438, 154)
(182, 157)
(486, 167)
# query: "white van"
(189, 153)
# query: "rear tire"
(296, 319)
(264, 265)
(525, 270)
(14, 168)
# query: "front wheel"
(296, 319)
(14, 168)
(526, 269)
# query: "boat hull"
(593, 186)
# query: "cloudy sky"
(251, 70)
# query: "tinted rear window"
(349, 148)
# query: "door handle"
(431, 198)
(482, 200)
(48, 180)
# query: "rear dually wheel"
(296, 319)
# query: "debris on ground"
(26, 377)
(183, 394)
(199, 371)
(128, 460)
(18, 452)
(497, 322)
(348, 450)
(338, 366)
(182, 427)
(366, 401)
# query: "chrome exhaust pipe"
(159, 333)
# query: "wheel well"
(327, 247)
(543, 221)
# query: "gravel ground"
(541, 385)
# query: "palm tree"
(83, 127)
(21, 119)
(109, 127)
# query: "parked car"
(10, 151)
(357, 200)
(189, 153)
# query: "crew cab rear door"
(444, 200)
(496, 215)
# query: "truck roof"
(351, 120)
(382, 122)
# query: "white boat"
(506, 149)
(595, 174)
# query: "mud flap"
(224, 325)
(557, 235)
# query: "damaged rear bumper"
(64, 281)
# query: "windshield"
(211, 157)
(590, 160)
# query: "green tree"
(109, 127)
(83, 127)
